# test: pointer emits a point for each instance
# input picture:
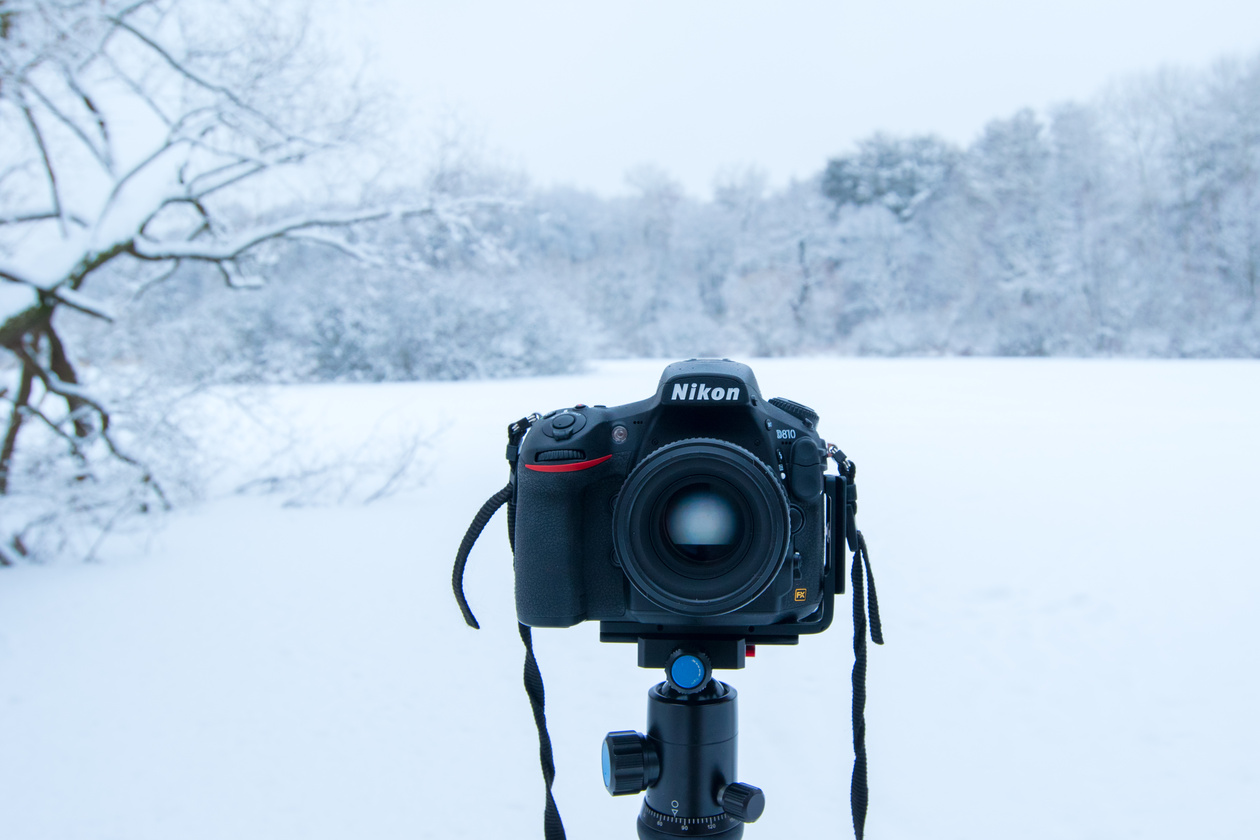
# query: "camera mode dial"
(564, 424)
(800, 412)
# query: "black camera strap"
(553, 828)
(865, 603)
(862, 604)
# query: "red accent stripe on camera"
(580, 465)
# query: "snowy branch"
(77, 396)
(56, 428)
(49, 171)
(356, 253)
(82, 303)
(242, 242)
(100, 154)
(42, 216)
(14, 274)
(158, 279)
(197, 79)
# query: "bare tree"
(135, 135)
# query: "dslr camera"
(702, 513)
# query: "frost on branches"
(139, 139)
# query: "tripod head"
(687, 760)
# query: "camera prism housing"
(701, 512)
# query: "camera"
(702, 512)
(697, 523)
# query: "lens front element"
(701, 527)
(703, 523)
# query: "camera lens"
(703, 523)
(701, 527)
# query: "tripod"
(686, 762)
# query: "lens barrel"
(701, 527)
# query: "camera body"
(701, 512)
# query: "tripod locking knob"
(631, 765)
(688, 672)
(743, 802)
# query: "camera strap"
(553, 828)
(516, 432)
(863, 603)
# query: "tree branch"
(249, 168)
(135, 88)
(158, 280)
(73, 394)
(91, 262)
(20, 401)
(127, 11)
(60, 366)
(75, 450)
(187, 73)
(68, 391)
(337, 245)
(100, 155)
(133, 172)
(230, 250)
(270, 157)
(80, 303)
(47, 215)
(234, 279)
(48, 167)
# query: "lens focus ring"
(701, 526)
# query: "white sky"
(579, 92)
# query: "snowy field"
(1068, 566)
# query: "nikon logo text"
(696, 391)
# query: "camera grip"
(549, 548)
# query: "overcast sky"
(577, 93)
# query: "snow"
(1066, 561)
(15, 298)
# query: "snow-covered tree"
(147, 141)
(899, 174)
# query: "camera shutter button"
(563, 421)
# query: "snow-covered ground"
(1068, 566)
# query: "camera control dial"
(800, 412)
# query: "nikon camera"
(703, 512)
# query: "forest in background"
(1127, 226)
(194, 193)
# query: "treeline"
(1127, 226)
